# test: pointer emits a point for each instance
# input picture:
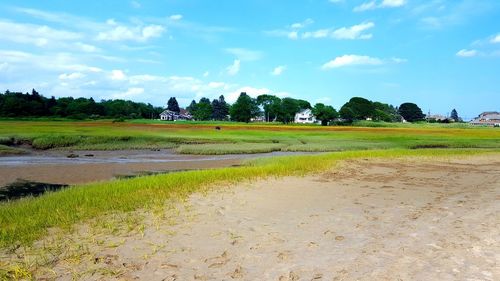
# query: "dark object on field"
(72, 155)
(23, 188)
(218, 128)
(89, 155)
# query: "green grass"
(229, 148)
(201, 137)
(26, 220)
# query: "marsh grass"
(243, 138)
(230, 148)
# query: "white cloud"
(278, 70)
(71, 76)
(217, 85)
(234, 68)
(129, 94)
(299, 25)
(245, 54)
(206, 73)
(495, 39)
(87, 47)
(119, 32)
(356, 60)
(290, 34)
(38, 35)
(393, 3)
(117, 75)
(321, 33)
(371, 5)
(354, 32)
(175, 17)
(4, 66)
(466, 53)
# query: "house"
(305, 117)
(169, 115)
(436, 117)
(490, 118)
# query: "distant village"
(263, 108)
(310, 115)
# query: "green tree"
(203, 110)
(359, 109)
(192, 107)
(385, 112)
(271, 105)
(454, 115)
(411, 112)
(244, 109)
(173, 105)
(288, 108)
(220, 109)
(325, 113)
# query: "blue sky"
(439, 54)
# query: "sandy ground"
(367, 220)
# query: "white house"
(305, 117)
(487, 119)
(168, 115)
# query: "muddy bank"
(367, 220)
(75, 167)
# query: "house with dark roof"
(169, 115)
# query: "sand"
(366, 220)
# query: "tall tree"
(288, 108)
(271, 105)
(324, 113)
(203, 110)
(244, 109)
(411, 112)
(220, 109)
(173, 105)
(454, 115)
(192, 107)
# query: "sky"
(439, 54)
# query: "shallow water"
(122, 156)
(78, 167)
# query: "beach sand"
(404, 219)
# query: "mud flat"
(75, 167)
(366, 220)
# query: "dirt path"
(370, 220)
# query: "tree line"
(17, 104)
(266, 107)
(271, 108)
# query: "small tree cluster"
(204, 110)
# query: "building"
(436, 118)
(169, 115)
(491, 118)
(305, 117)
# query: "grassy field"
(202, 138)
